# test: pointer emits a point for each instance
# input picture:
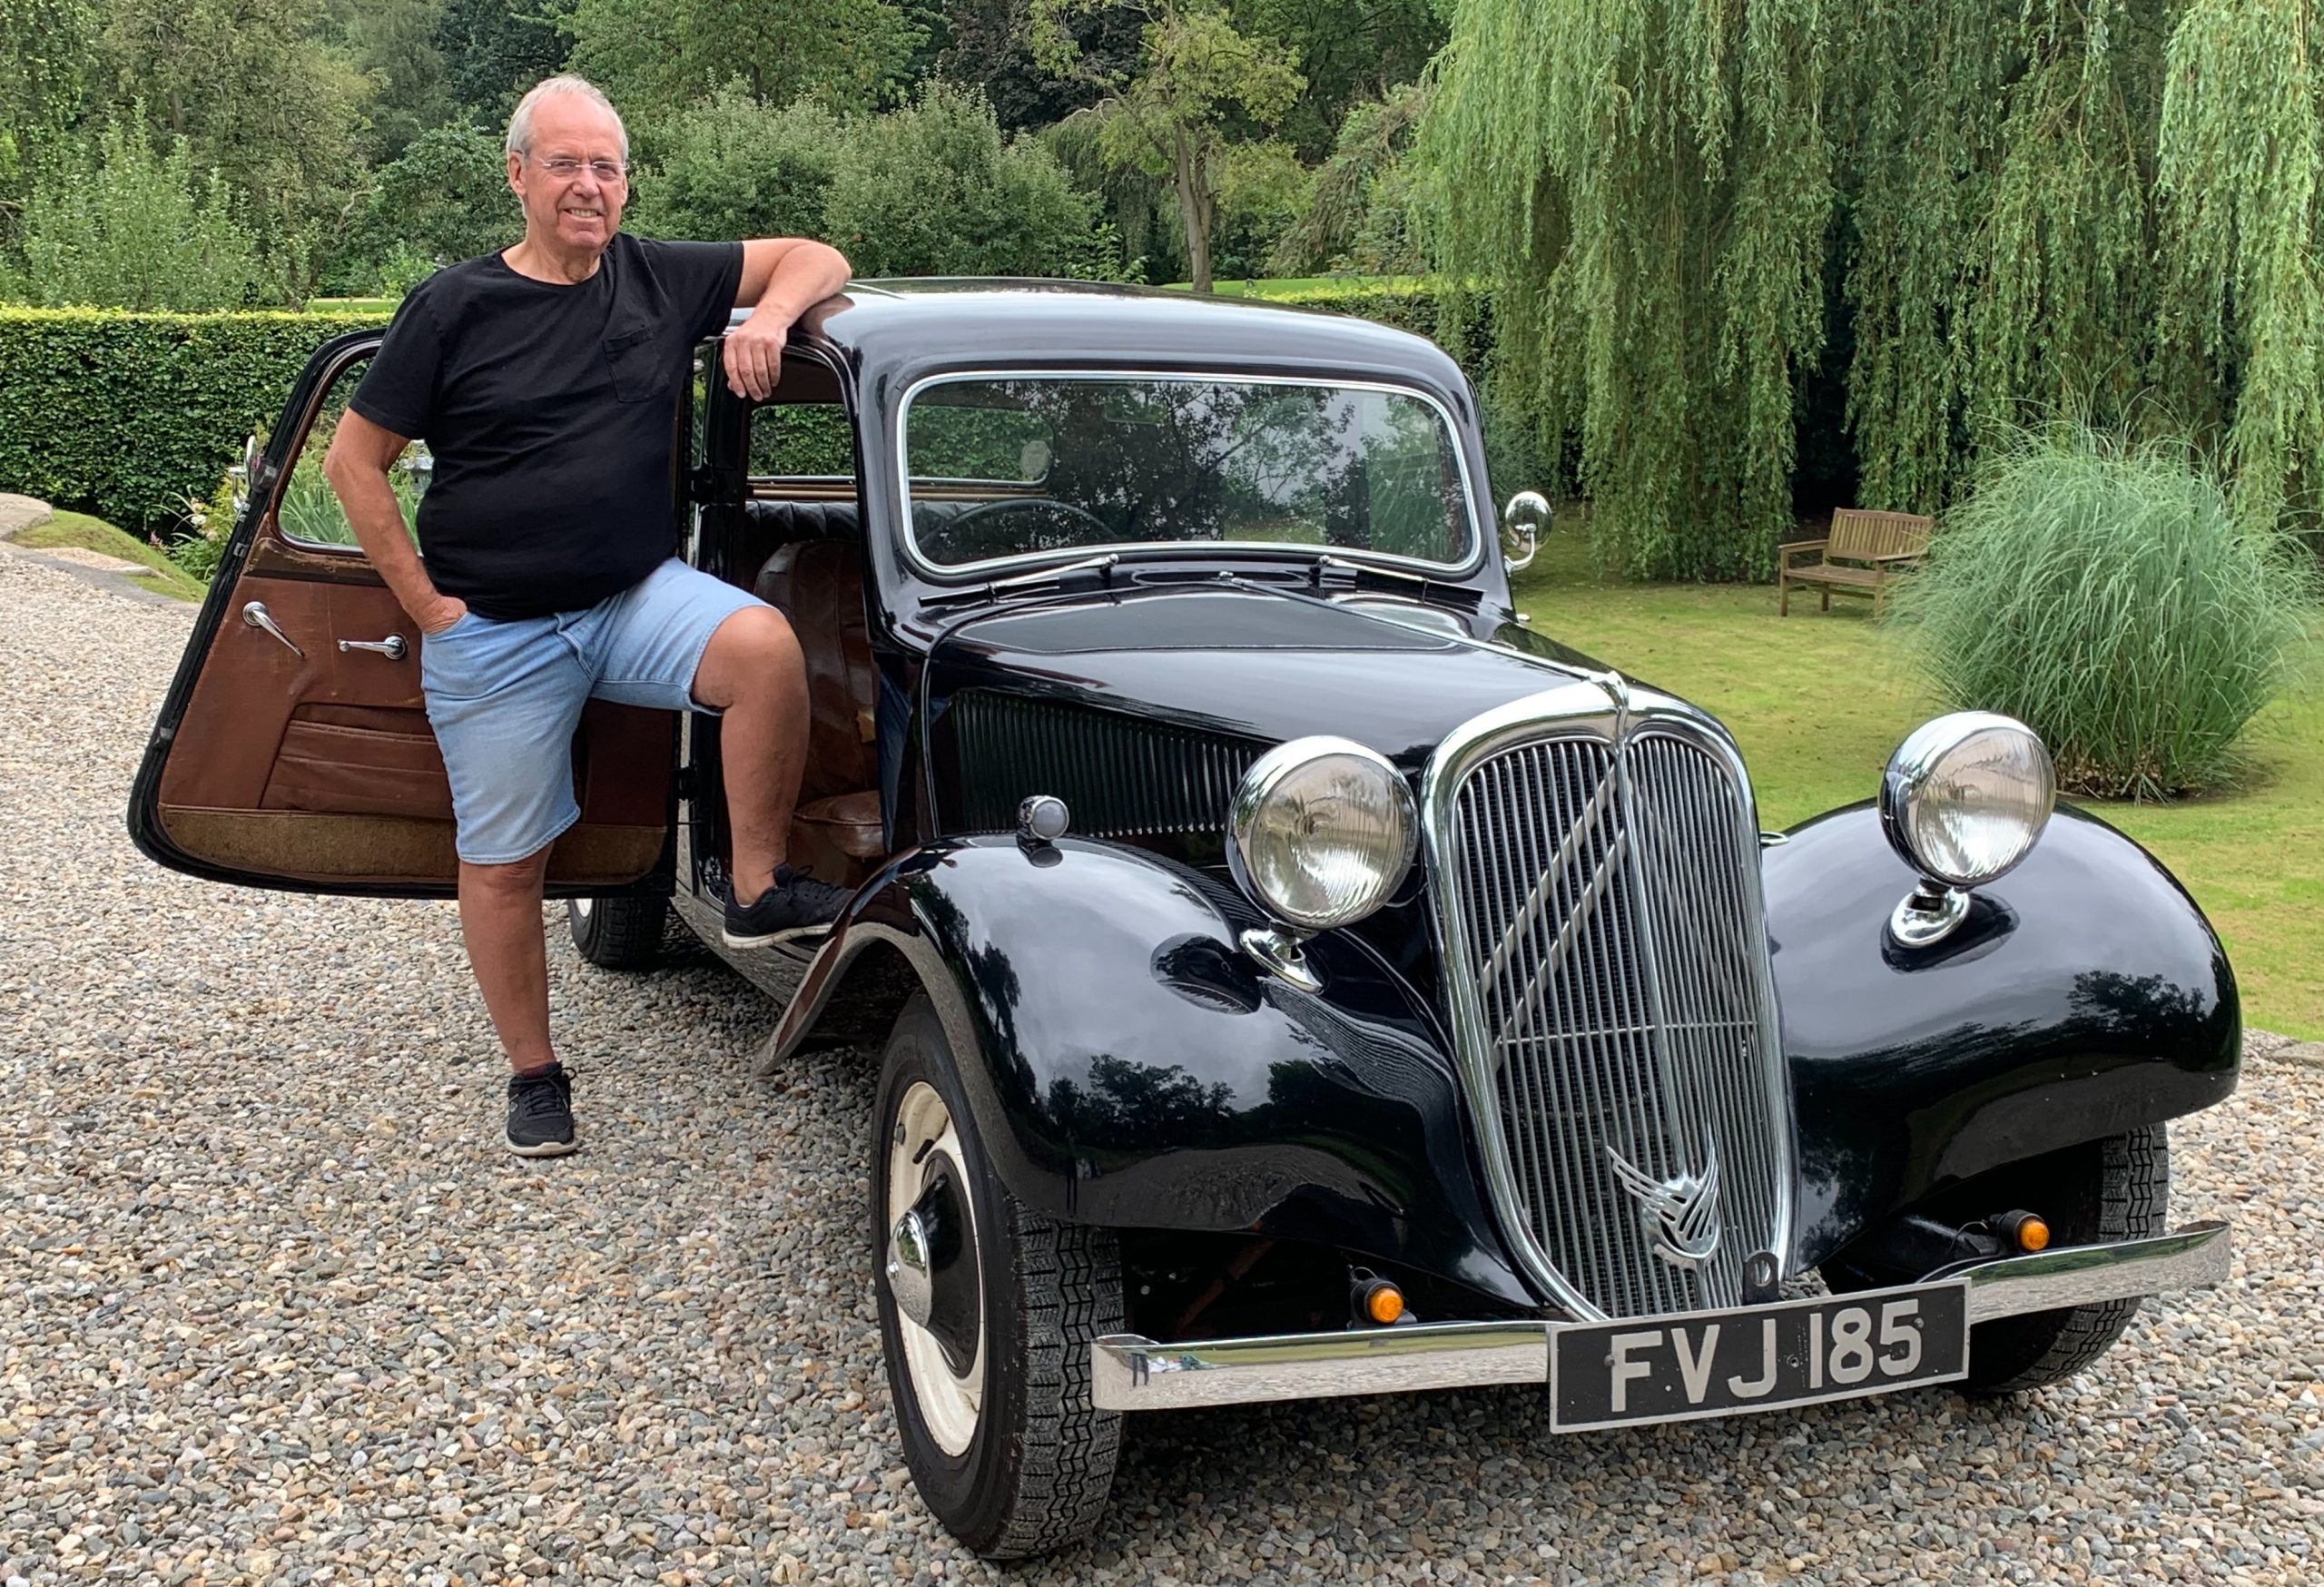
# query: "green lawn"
(1818, 701)
(94, 533)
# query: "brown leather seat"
(818, 585)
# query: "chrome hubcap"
(909, 1279)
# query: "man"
(545, 380)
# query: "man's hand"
(440, 614)
(754, 354)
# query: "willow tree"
(2101, 209)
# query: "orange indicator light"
(2033, 1235)
(1385, 1304)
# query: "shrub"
(128, 416)
(729, 167)
(2103, 595)
(134, 229)
(933, 189)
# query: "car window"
(1093, 460)
(308, 512)
(798, 441)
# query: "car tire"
(1009, 1451)
(618, 934)
(2112, 1190)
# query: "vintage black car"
(1298, 977)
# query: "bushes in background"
(133, 415)
(2104, 595)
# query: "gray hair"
(520, 125)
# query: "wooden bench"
(1866, 553)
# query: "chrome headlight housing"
(1965, 797)
(1321, 831)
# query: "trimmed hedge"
(128, 416)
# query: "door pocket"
(374, 761)
(641, 371)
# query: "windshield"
(1013, 466)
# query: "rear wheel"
(618, 934)
(986, 1312)
(2112, 1189)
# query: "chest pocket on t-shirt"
(640, 369)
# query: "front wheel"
(986, 1312)
(2117, 1189)
(618, 934)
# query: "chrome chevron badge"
(1681, 1213)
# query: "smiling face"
(577, 215)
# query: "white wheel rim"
(582, 906)
(949, 1403)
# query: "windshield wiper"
(1037, 579)
(1431, 589)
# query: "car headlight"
(1321, 832)
(1965, 797)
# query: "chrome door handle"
(256, 616)
(393, 647)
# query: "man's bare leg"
(500, 918)
(753, 672)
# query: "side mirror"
(243, 472)
(1523, 522)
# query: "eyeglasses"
(565, 168)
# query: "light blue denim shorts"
(504, 697)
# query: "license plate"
(1757, 1358)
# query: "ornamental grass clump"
(2103, 594)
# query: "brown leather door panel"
(319, 766)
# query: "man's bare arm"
(783, 277)
(357, 466)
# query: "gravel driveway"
(275, 1305)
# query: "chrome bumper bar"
(1131, 1373)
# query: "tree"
(493, 50)
(391, 44)
(46, 50)
(654, 57)
(251, 88)
(2103, 213)
(990, 42)
(1348, 53)
(446, 199)
(134, 229)
(1361, 208)
(1198, 86)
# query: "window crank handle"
(393, 647)
(256, 616)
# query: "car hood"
(1262, 663)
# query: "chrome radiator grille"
(1621, 1037)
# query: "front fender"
(2084, 996)
(1129, 1066)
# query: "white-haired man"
(545, 380)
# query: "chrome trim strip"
(2195, 1258)
(1617, 715)
(1129, 1372)
(978, 572)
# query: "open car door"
(293, 749)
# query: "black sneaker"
(540, 1113)
(795, 906)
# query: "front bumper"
(1131, 1373)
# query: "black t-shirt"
(551, 411)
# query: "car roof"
(902, 329)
